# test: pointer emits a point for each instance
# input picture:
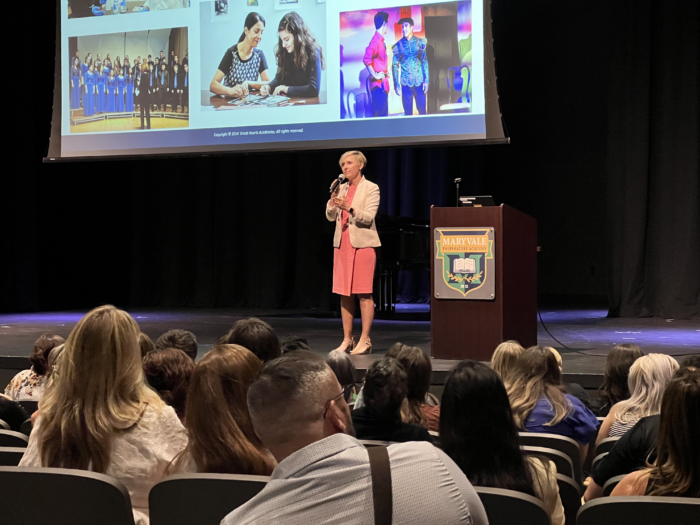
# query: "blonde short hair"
(359, 157)
(504, 357)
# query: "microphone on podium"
(340, 180)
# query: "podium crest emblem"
(464, 263)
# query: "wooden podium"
(472, 329)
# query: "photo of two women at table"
(259, 52)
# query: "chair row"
(79, 498)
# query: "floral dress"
(26, 386)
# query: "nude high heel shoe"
(346, 346)
(363, 348)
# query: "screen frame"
(494, 121)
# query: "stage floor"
(587, 333)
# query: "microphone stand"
(457, 181)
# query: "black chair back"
(570, 494)
(204, 499)
(26, 427)
(605, 445)
(62, 497)
(10, 438)
(4, 425)
(11, 456)
(597, 460)
(29, 406)
(611, 484)
(561, 460)
(505, 507)
(649, 510)
(561, 443)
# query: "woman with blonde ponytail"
(540, 403)
(99, 415)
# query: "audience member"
(344, 371)
(648, 378)
(294, 342)
(676, 470)
(573, 389)
(298, 410)
(504, 357)
(100, 415)
(12, 413)
(28, 385)
(634, 450)
(386, 386)
(168, 371)
(181, 339)
(539, 403)
(615, 375)
(257, 336)
(479, 434)
(146, 344)
(221, 435)
(418, 370)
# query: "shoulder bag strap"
(381, 484)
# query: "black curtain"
(248, 230)
(653, 160)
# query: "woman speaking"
(353, 206)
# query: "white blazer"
(363, 230)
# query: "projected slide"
(189, 76)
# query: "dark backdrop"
(249, 229)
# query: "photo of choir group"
(106, 89)
(405, 61)
(278, 61)
(91, 8)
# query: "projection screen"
(172, 77)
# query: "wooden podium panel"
(472, 329)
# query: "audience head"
(145, 344)
(257, 336)
(691, 361)
(386, 386)
(675, 471)
(42, 350)
(221, 434)
(181, 339)
(394, 350)
(168, 371)
(294, 342)
(504, 358)
(536, 373)
(418, 370)
(647, 381)
(344, 370)
(99, 390)
(616, 372)
(296, 400)
(477, 429)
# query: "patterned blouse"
(237, 71)
(26, 386)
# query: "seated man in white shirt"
(323, 475)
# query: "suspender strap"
(381, 484)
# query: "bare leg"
(347, 312)
(367, 313)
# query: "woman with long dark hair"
(478, 432)
(418, 370)
(540, 403)
(221, 435)
(243, 66)
(615, 375)
(675, 471)
(299, 60)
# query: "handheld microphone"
(340, 180)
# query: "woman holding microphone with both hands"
(353, 206)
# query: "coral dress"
(353, 268)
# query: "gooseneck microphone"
(340, 180)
